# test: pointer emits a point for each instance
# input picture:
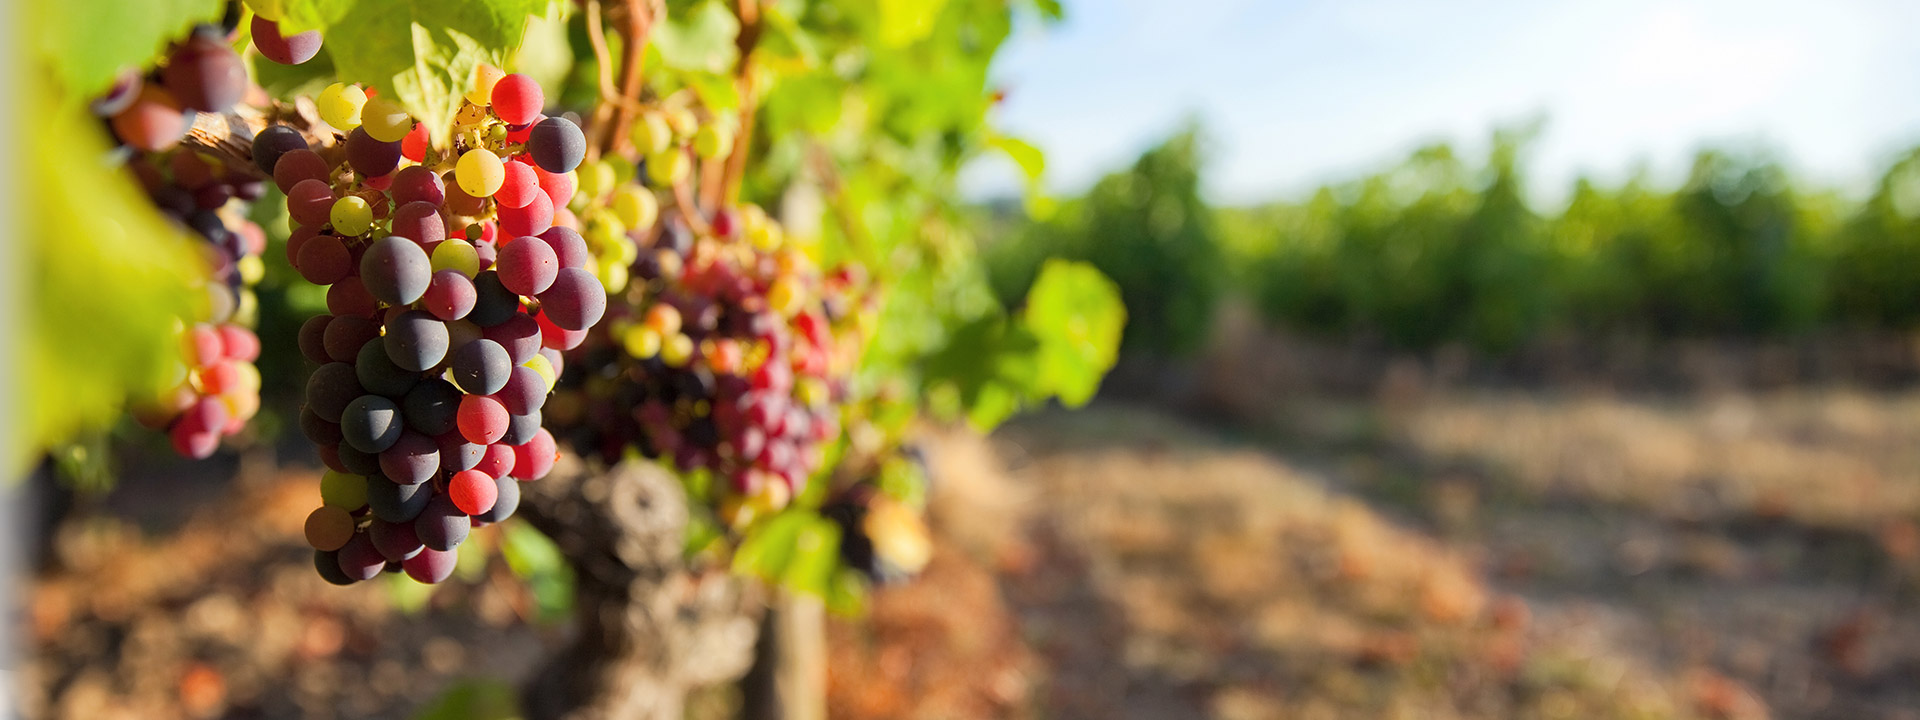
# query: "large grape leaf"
(85, 43)
(1076, 314)
(103, 279)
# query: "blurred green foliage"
(1441, 250)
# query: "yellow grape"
(614, 276)
(677, 350)
(650, 133)
(248, 313)
(385, 120)
(635, 206)
(596, 179)
(457, 255)
(340, 105)
(668, 167)
(351, 215)
(712, 141)
(539, 364)
(642, 342)
(484, 76)
(251, 269)
(784, 297)
(683, 121)
(480, 173)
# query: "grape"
(527, 266)
(295, 165)
(345, 491)
(472, 491)
(371, 424)
(520, 428)
(385, 121)
(493, 302)
(524, 392)
(310, 202)
(331, 387)
(327, 562)
(449, 296)
(553, 336)
(597, 179)
(318, 429)
(569, 249)
(533, 219)
(516, 99)
(340, 104)
(458, 256)
(370, 157)
(396, 271)
(668, 167)
(482, 420)
(198, 445)
(414, 145)
(378, 374)
(126, 88)
(518, 185)
(481, 367)
(430, 566)
(415, 183)
(519, 335)
(557, 145)
(152, 122)
(346, 335)
(359, 560)
(484, 77)
(479, 173)
(459, 201)
(635, 206)
(395, 539)
(414, 458)
(441, 526)
(284, 49)
(420, 222)
(431, 406)
(350, 297)
(575, 301)
(324, 260)
(457, 454)
(506, 499)
(351, 216)
(328, 528)
(533, 459)
(205, 74)
(559, 187)
(397, 503)
(189, 171)
(416, 341)
(650, 133)
(497, 461)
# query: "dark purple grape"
(125, 89)
(557, 145)
(519, 335)
(456, 454)
(441, 526)
(327, 562)
(432, 406)
(394, 538)
(521, 428)
(395, 270)
(494, 303)
(357, 462)
(378, 374)
(371, 424)
(313, 334)
(370, 157)
(576, 300)
(347, 334)
(273, 142)
(205, 74)
(359, 559)
(413, 459)
(396, 503)
(331, 388)
(481, 367)
(416, 341)
(318, 429)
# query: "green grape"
(650, 133)
(641, 342)
(669, 167)
(351, 216)
(712, 141)
(457, 255)
(340, 105)
(683, 121)
(480, 173)
(344, 491)
(540, 364)
(596, 179)
(635, 206)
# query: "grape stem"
(229, 135)
(726, 185)
(617, 107)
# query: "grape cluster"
(726, 362)
(450, 296)
(216, 388)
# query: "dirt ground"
(1459, 554)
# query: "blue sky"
(1299, 92)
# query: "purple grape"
(413, 459)
(481, 367)
(395, 270)
(441, 526)
(396, 503)
(371, 424)
(575, 301)
(432, 406)
(370, 157)
(330, 389)
(416, 341)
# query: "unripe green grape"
(344, 491)
(650, 133)
(613, 276)
(480, 173)
(712, 141)
(668, 167)
(623, 173)
(351, 215)
(683, 121)
(385, 120)
(635, 206)
(596, 179)
(497, 133)
(340, 105)
(457, 255)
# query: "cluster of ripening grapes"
(450, 296)
(215, 388)
(722, 358)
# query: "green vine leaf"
(1077, 315)
(86, 43)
